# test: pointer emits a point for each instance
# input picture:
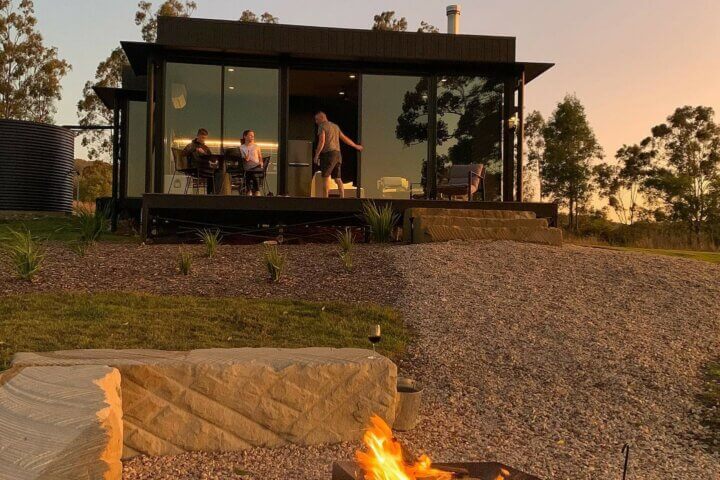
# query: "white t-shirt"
(252, 156)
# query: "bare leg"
(341, 187)
(327, 185)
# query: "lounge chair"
(463, 180)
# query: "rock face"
(232, 399)
(59, 423)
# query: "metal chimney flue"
(453, 14)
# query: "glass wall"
(192, 101)
(252, 103)
(469, 122)
(136, 132)
(394, 134)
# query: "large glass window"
(252, 103)
(192, 101)
(394, 134)
(137, 132)
(470, 122)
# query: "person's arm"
(347, 141)
(320, 146)
(259, 157)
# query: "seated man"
(199, 157)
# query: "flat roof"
(197, 35)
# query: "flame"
(384, 458)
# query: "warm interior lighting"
(231, 87)
(178, 95)
(384, 460)
(352, 77)
(181, 142)
(443, 80)
(231, 69)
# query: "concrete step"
(444, 233)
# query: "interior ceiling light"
(342, 93)
(352, 77)
(231, 69)
(231, 87)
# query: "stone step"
(544, 236)
(233, 399)
(420, 224)
(58, 423)
(416, 212)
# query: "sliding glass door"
(394, 134)
(251, 102)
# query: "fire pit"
(460, 471)
(383, 459)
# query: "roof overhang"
(112, 97)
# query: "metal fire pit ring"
(475, 471)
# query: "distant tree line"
(673, 175)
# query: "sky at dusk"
(631, 62)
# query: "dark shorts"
(330, 163)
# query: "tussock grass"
(274, 262)
(381, 220)
(24, 252)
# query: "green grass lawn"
(63, 321)
(59, 228)
(712, 257)
(711, 399)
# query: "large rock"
(412, 214)
(232, 399)
(59, 423)
(420, 224)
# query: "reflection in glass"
(470, 121)
(251, 103)
(192, 101)
(137, 115)
(394, 134)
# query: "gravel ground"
(547, 359)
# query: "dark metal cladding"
(36, 167)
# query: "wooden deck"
(165, 215)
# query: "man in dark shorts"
(328, 154)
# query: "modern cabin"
(419, 103)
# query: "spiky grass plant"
(92, 225)
(211, 238)
(185, 262)
(346, 242)
(274, 262)
(380, 220)
(26, 254)
(79, 247)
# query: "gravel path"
(547, 359)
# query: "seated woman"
(252, 162)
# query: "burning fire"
(384, 458)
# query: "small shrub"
(346, 240)
(347, 260)
(92, 225)
(25, 252)
(274, 262)
(79, 247)
(211, 239)
(381, 221)
(185, 262)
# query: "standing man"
(328, 154)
